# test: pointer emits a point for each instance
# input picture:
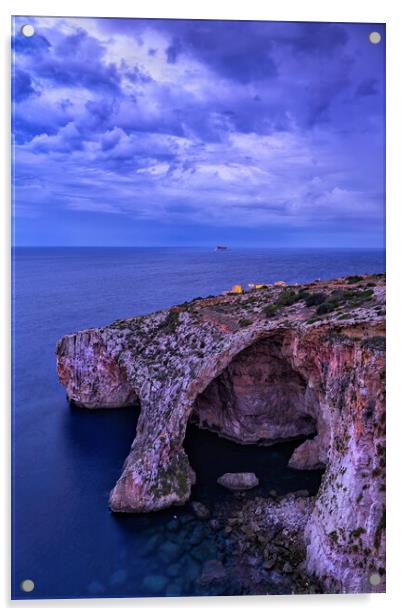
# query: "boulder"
(301, 493)
(238, 481)
(200, 510)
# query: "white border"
(387, 11)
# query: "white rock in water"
(238, 481)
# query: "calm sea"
(66, 460)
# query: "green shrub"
(353, 279)
(270, 310)
(287, 298)
(302, 294)
(357, 532)
(338, 295)
(315, 299)
(245, 322)
(359, 297)
(326, 307)
(333, 535)
(171, 321)
(367, 294)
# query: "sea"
(65, 460)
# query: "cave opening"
(250, 418)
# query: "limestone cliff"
(271, 364)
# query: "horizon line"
(382, 248)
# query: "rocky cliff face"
(264, 366)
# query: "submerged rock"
(152, 545)
(175, 589)
(238, 481)
(190, 568)
(169, 551)
(155, 583)
(215, 524)
(201, 511)
(212, 571)
(197, 535)
(96, 588)
(118, 577)
(173, 525)
(173, 570)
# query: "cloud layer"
(198, 130)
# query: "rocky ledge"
(259, 367)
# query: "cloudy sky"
(168, 133)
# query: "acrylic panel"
(198, 307)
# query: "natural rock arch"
(157, 473)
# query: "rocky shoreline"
(248, 545)
(266, 546)
(259, 367)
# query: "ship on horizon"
(218, 248)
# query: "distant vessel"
(217, 248)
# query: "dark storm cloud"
(173, 51)
(201, 122)
(237, 50)
(224, 48)
(76, 60)
(33, 47)
(316, 38)
(22, 85)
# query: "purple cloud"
(22, 86)
(253, 124)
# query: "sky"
(144, 132)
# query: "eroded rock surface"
(259, 397)
(269, 365)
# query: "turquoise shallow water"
(66, 460)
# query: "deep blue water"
(66, 460)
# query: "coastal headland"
(272, 364)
